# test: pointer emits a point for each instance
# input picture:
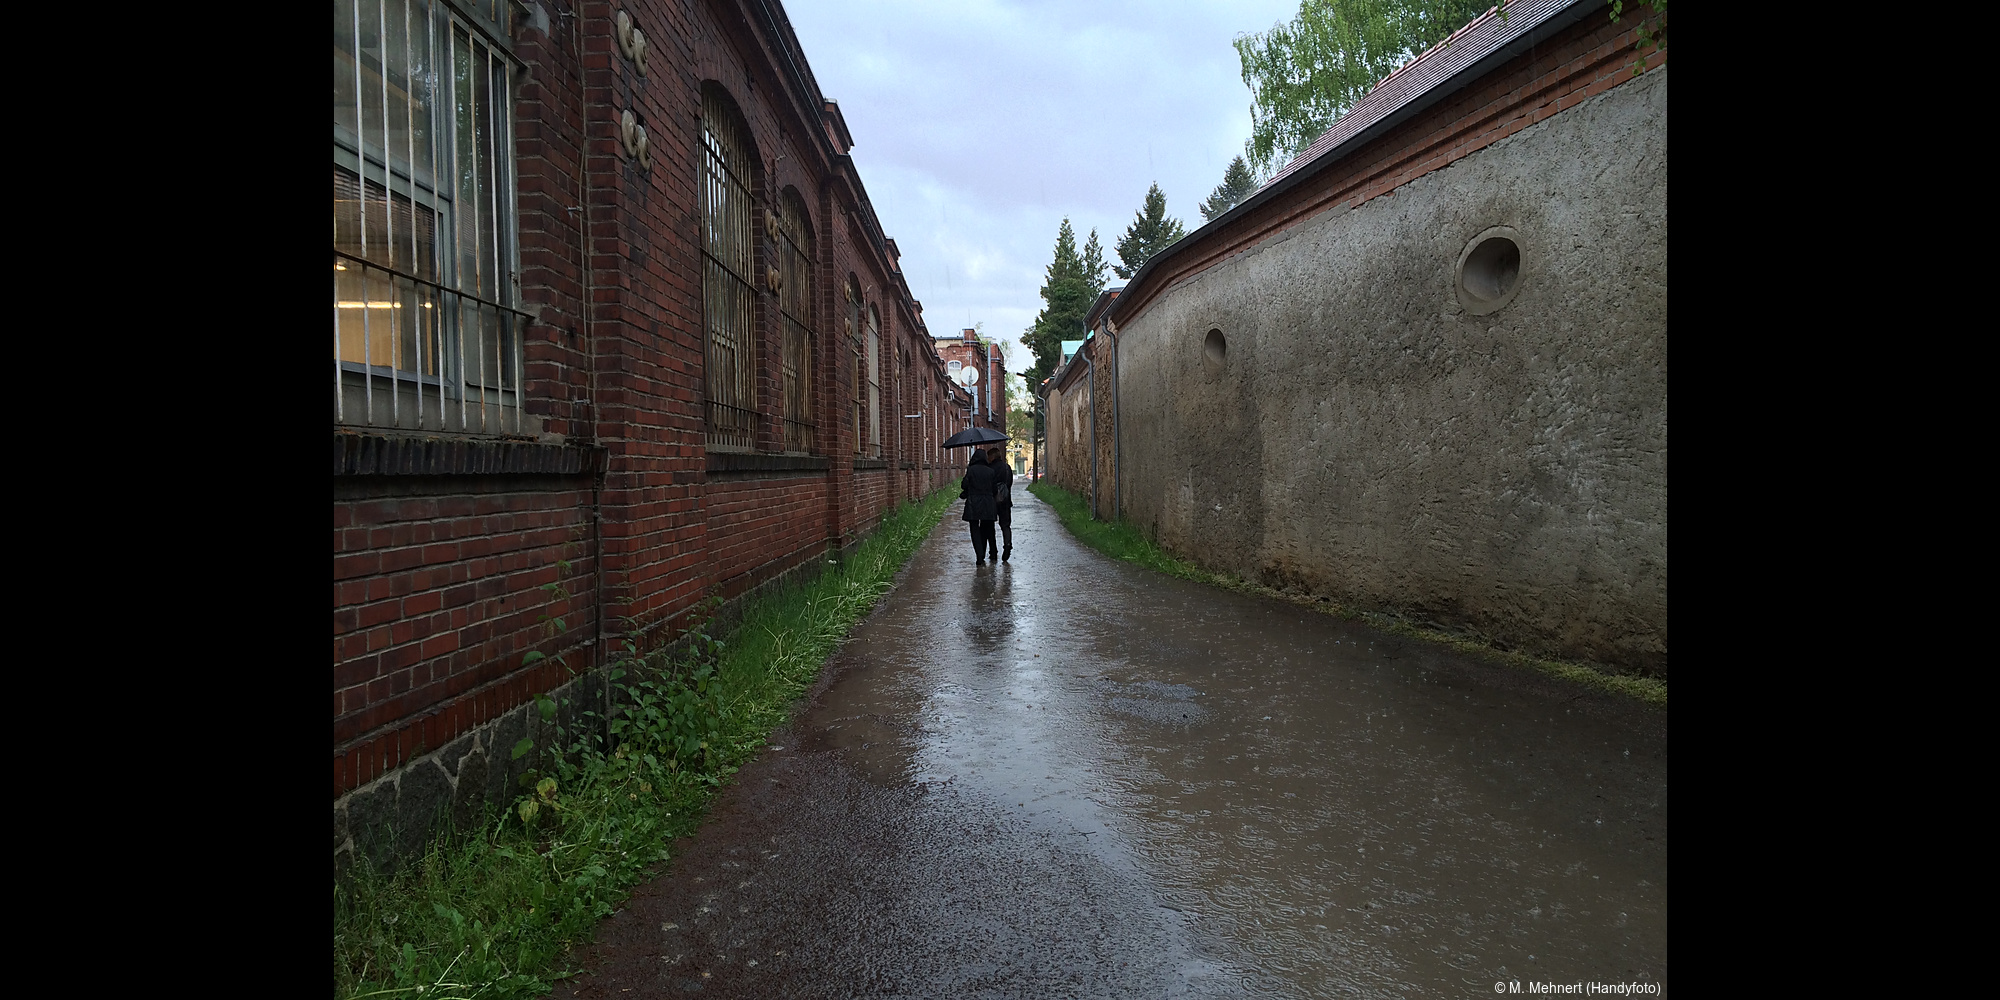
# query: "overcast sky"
(979, 124)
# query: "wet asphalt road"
(1070, 777)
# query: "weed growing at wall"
(1120, 540)
(490, 913)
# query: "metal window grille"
(795, 303)
(874, 384)
(726, 292)
(426, 333)
(855, 399)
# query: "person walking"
(977, 490)
(1003, 497)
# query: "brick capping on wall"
(1568, 59)
(386, 455)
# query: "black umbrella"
(973, 435)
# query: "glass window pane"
(492, 195)
(346, 91)
(467, 166)
(415, 227)
(395, 83)
(406, 87)
(368, 51)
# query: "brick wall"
(445, 552)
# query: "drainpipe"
(1090, 372)
(603, 654)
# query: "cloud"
(980, 125)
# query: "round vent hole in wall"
(1489, 271)
(1215, 348)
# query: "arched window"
(874, 384)
(726, 292)
(795, 257)
(857, 428)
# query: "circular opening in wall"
(1489, 271)
(1215, 348)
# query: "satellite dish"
(966, 376)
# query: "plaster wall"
(1066, 453)
(1368, 438)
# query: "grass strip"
(1121, 540)
(493, 912)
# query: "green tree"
(1067, 293)
(1150, 232)
(1305, 74)
(1093, 265)
(1237, 184)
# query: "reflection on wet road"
(1068, 776)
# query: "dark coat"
(1003, 481)
(976, 489)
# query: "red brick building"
(988, 394)
(615, 328)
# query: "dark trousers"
(982, 539)
(1006, 523)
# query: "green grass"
(1120, 540)
(493, 912)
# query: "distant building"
(989, 391)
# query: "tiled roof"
(1484, 35)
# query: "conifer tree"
(1093, 265)
(1067, 293)
(1151, 232)
(1237, 184)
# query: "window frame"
(799, 333)
(729, 422)
(856, 424)
(487, 401)
(874, 364)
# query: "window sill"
(725, 462)
(868, 464)
(370, 454)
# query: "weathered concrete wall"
(1105, 485)
(1367, 437)
(1067, 452)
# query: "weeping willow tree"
(1304, 74)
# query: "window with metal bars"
(874, 384)
(426, 328)
(728, 298)
(857, 397)
(795, 303)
